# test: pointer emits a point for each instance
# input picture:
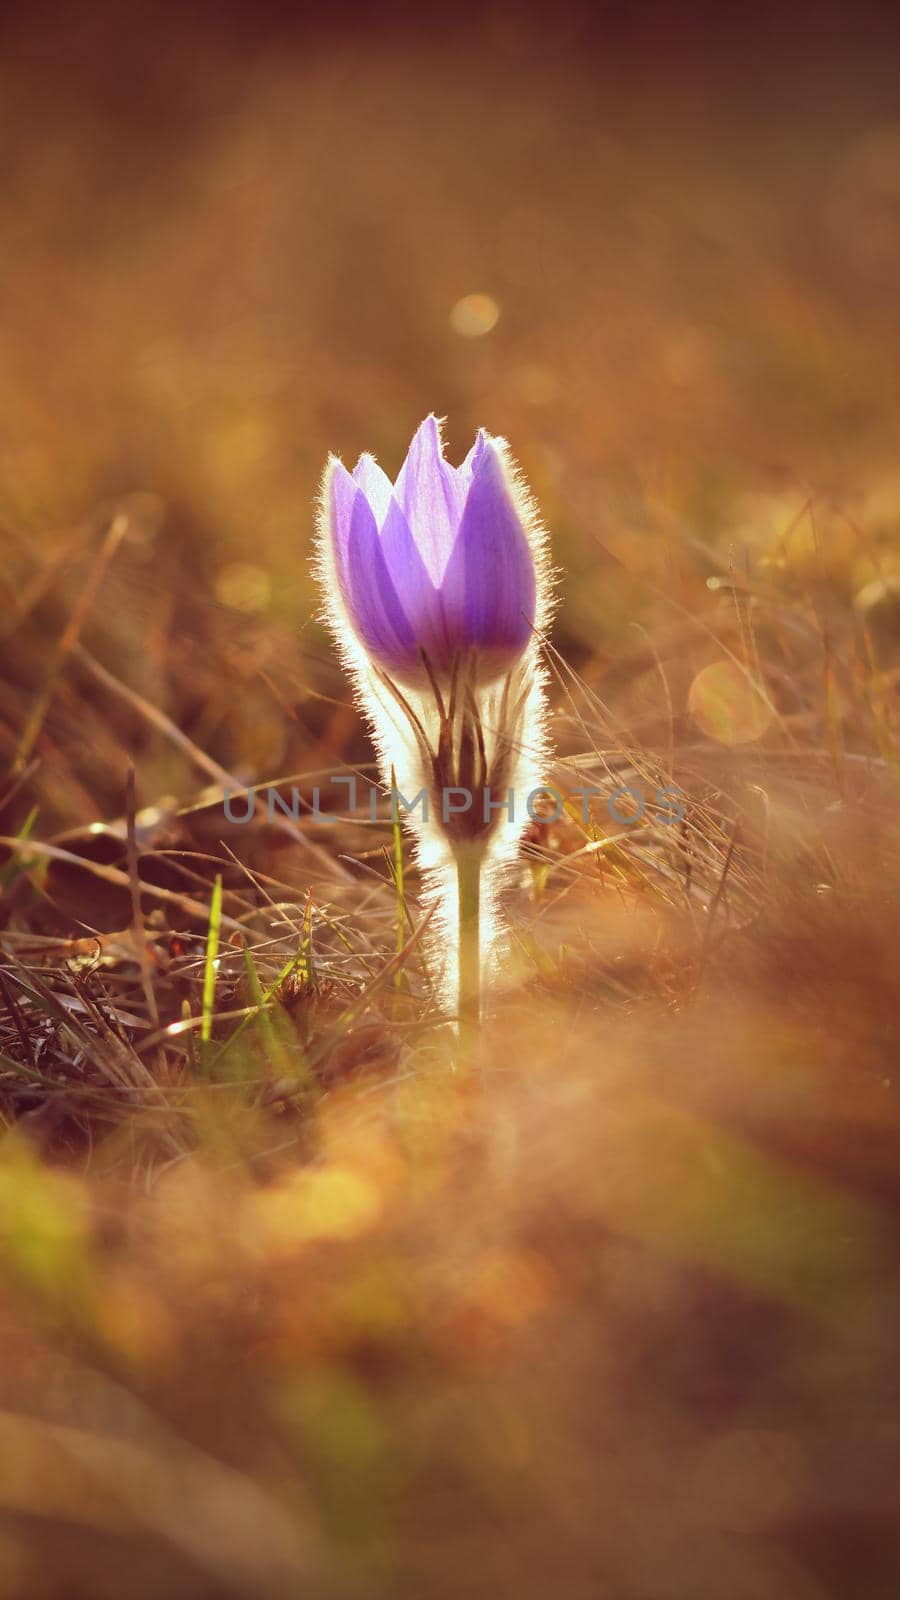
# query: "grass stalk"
(210, 968)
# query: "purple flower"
(440, 562)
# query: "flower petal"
(465, 471)
(370, 597)
(489, 588)
(431, 497)
(375, 485)
(340, 497)
(409, 575)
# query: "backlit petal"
(369, 595)
(375, 485)
(431, 497)
(409, 575)
(465, 471)
(488, 589)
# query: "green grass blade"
(19, 864)
(211, 965)
(265, 997)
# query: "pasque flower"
(437, 590)
(437, 564)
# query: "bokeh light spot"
(474, 315)
(728, 705)
(537, 385)
(244, 587)
(331, 1203)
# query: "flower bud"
(437, 568)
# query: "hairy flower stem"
(468, 879)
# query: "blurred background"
(616, 1314)
(653, 245)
